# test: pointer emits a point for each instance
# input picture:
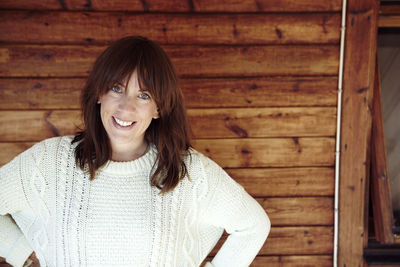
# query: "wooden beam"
(63, 93)
(287, 261)
(106, 27)
(193, 61)
(263, 182)
(380, 185)
(389, 21)
(359, 69)
(178, 5)
(243, 152)
(294, 240)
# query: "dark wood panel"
(248, 152)
(263, 182)
(63, 93)
(178, 5)
(271, 152)
(391, 21)
(262, 122)
(299, 211)
(203, 61)
(102, 28)
(294, 241)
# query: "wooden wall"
(260, 83)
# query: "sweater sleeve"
(234, 210)
(13, 244)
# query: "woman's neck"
(123, 152)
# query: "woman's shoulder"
(194, 157)
(49, 146)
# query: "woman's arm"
(13, 245)
(233, 209)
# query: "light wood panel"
(294, 241)
(9, 150)
(203, 61)
(288, 261)
(178, 5)
(101, 28)
(262, 122)
(271, 152)
(292, 261)
(297, 211)
(63, 93)
(248, 152)
(262, 182)
(226, 123)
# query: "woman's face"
(126, 113)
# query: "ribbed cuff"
(20, 253)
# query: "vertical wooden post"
(358, 82)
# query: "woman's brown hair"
(169, 133)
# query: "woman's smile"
(121, 124)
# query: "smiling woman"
(128, 190)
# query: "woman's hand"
(32, 261)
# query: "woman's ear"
(156, 115)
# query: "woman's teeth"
(123, 123)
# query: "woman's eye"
(116, 89)
(144, 96)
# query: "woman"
(128, 190)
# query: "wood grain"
(200, 61)
(178, 5)
(294, 241)
(386, 21)
(271, 152)
(248, 152)
(275, 182)
(380, 183)
(262, 122)
(288, 261)
(298, 211)
(226, 123)
(358, 81)
(63, 93)
(104, 28)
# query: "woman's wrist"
(28, 263)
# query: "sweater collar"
(144, 163)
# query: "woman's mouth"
(121, 123)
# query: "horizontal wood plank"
(271, 152)
(288, 261)
(178, 5)
(297, 211)
(226, 123)
(294, 241)
(262, 122)
(292, 261)
(9, 150)
(63, 93)
(392, 21)
(104, 28)
(200, 61)
(247, 152)
(273, 182)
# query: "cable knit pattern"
(119, 219)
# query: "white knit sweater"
(118, 219)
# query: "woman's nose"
(127, 103)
